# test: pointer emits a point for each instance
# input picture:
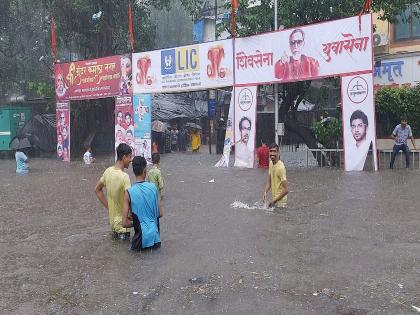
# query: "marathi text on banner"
(245, 125)
(308, 52)
(90, 79)
(63, 131)
(358, 120)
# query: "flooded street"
(349, 243)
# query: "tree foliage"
(293, 13)
(328, 132)
(391, 103)
(25, 39)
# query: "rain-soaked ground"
(347, 244)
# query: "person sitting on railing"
(400, 135)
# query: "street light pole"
(276, 87)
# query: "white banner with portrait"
(245, 125)
(225, 158)
(359, 125)
(193, 67)
(308, 52)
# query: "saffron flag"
(130, 26)
(367, 6)
(234, 7)
(53, 39)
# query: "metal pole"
(276, 87)
(211, 120)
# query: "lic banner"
(142, 106)
(63, 131)
(194, 67)
(358, 121)
(245, 125)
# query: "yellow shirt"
(277, 174)
(116, 183)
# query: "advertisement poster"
(90, 79)
(63, 131)
(359, 130)
(245, 125)
(194, 67)
(225, 158)
(124, 121)
(143, 147)
(304, 53)
(142, 106)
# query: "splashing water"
(259, 205)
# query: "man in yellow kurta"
(116, 182)
(276, 180)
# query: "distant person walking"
(276, 180)
(400, 135)
(22, 167)
(116, 182)
(142, 209)
(182, 140)
(155, 175)
(262, 155)
(195, 140)
(87, 157)
(167, 141)
(174, 139)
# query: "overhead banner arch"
(309, 52)
(336, 48)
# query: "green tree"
(391, 103)
(26, 61)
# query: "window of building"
(408, 25)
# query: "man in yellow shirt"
(276, 180)
(116, 182)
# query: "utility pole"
(276, 86)
(211, 118)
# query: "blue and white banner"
(142, 106)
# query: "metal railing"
(335, 158)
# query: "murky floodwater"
(347, 243)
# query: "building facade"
(397, 50)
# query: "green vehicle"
(12, 120)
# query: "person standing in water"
(276, 180)
(116, 182)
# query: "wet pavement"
(349, 243)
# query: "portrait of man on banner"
(358, 148)
(297, 65)
(126, 75)
(244, 155)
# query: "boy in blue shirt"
(142, 209)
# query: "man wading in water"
(116, 182)
(276, 180)
(142, 209)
